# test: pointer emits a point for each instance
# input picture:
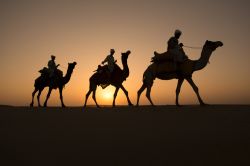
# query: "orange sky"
(84, 31)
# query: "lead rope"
(195, 48)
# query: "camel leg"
(94, 98)
(48, 95)
(115, 94)
(126, 93)
(178, 89)
(148, 94)
(87, 96)
(38, 97)
(195, 88)
(61, 96)
(33, 95)
(143, 87)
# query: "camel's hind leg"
(38, 97)
(48, 95)
(94, 98)
(143, 87)
(33, 95)
(148, 94)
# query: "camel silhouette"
(163, 71)
(116, 79)
(41, 83)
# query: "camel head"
(72, 65)
(125, 55)
(213, 45)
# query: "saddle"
(104, 75)
(162, 57)
(185, 68)
(45, 72)
(45, 76)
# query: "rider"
(52, 67)
(111, 61)
(175, 49)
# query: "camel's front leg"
(178, 89)
(61, 96)
(48, 95)
(126, 93)
(196, 89)
(115, 94)
(148, 94)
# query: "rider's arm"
(105, 60)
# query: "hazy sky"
(85, 30)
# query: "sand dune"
(163, 135)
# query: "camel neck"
(67, 77)
(203, 60)
(125, 68)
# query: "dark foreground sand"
(165, 135)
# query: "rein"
(193, 47)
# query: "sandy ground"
(165, 135)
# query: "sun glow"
(107, 94)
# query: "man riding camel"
(52, 67)
(175, 49)
(111, 62)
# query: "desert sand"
(163, 135)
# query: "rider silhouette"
(52, 68)
(111, 61)
(175, 49)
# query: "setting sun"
(107, 94)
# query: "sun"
(107, 94)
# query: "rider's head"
(177, 33)
(112, 51)
(53, 57)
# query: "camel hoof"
(178, 105)
(63, 106)
(130, 105)
(31, 105)
(204, 104)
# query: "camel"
(42, 81)
(116, 80)
(185, 72)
